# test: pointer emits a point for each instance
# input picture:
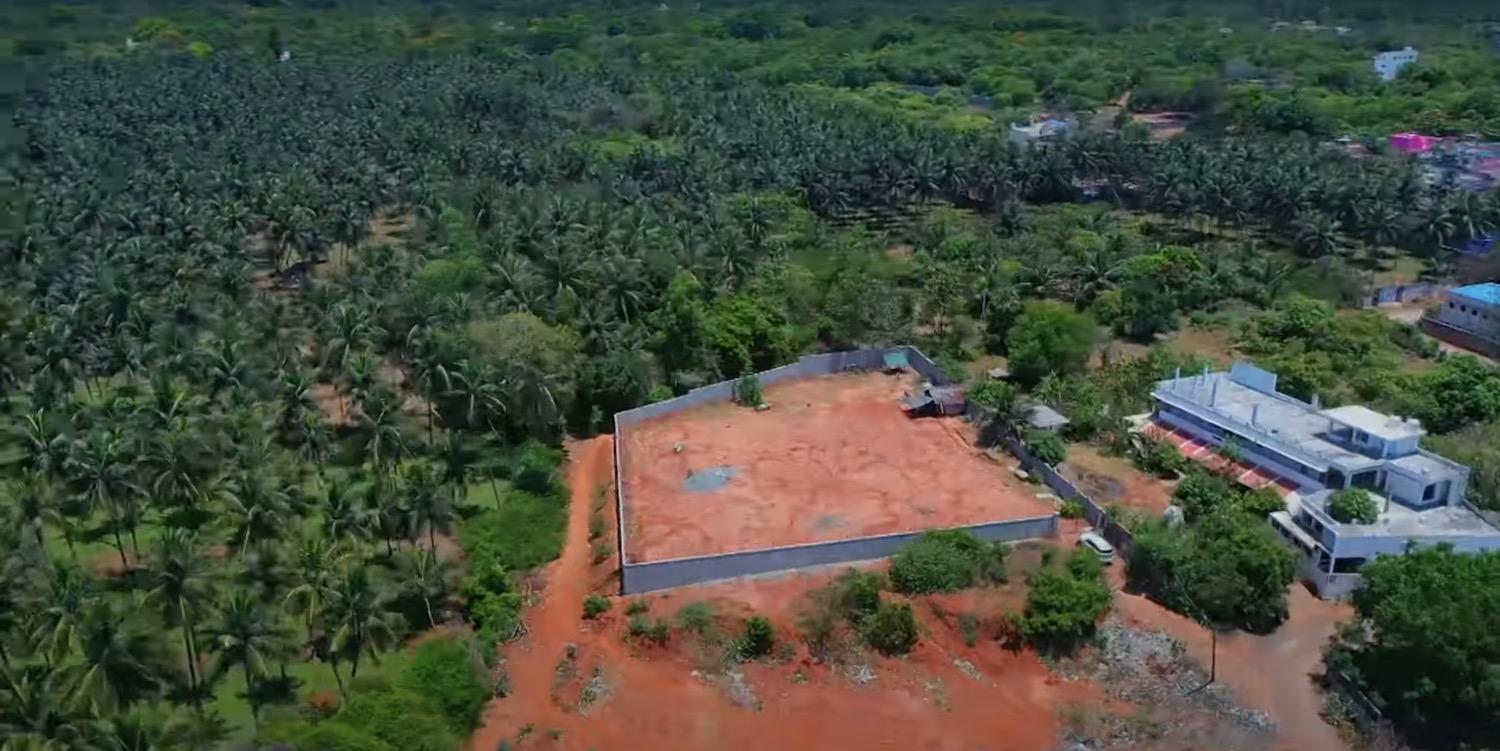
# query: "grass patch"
(526, 531)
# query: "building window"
(1429, 492)
(1347, 565)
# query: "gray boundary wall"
(646, 576)
(1112, 530)
(676, 572)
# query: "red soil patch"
(944, 695)
(1112, 480)
(833, 458)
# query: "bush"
(335, 736)
(892, 629)
(1047, 446)
(405, 720)
(1229, 569)
(657, 631)
(857, 594)
(496, 615)
(758, 639)
(697, 617)
(1000, 396)
(637, 607)
(1158, 458)
(1070, 510)
(536, 468)
(595, 606)
(747, 391)
(444, 672)
(947, 560)
(1353, 506)
(968, 625)
(525, 532)
(1064, 603)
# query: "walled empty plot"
(834, 458)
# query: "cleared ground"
(833, 458)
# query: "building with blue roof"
(1470, 318)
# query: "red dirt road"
(833, 458)
(555, 620)
(1273, 673)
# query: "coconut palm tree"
(245, 637)
(121, 659)
(314, 569)
(182, 589)
(425, 578)
(426, 501)
(100, 469)
(361, 625)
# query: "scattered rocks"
(967, 668)
(597, 691)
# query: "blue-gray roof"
(1485, 293)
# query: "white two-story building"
(1319, 451)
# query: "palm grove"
(245, 423)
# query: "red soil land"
(833, 458)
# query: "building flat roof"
(1425, 464)
(1382, 426)
(1280, 417)
(1485, 293)
(1401, 521)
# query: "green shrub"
(636, 607)
(968, 625)
(337, 736)
(595, 606)
(1064, 603)
(697, 617)
(856, 594)
(525, 532)
(1353, 506)
(947, 560)
(758, 639)
(747, 391)
(496, 615)
(536, 468)
(1047, 446)
(1070, 510)
(659, 632)
(406, 721)
(1262, 502)
(1158, 458)
(892, 629)
(445, 673)
(1000, 396)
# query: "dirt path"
(556, 618)
(1273, 673)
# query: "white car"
(1099, 546)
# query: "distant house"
(1470, 318)
(1388, 64)
(1310, 453)
(1043, 417)
(1041, 129)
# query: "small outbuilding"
(935, 401)
(1043, 417)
